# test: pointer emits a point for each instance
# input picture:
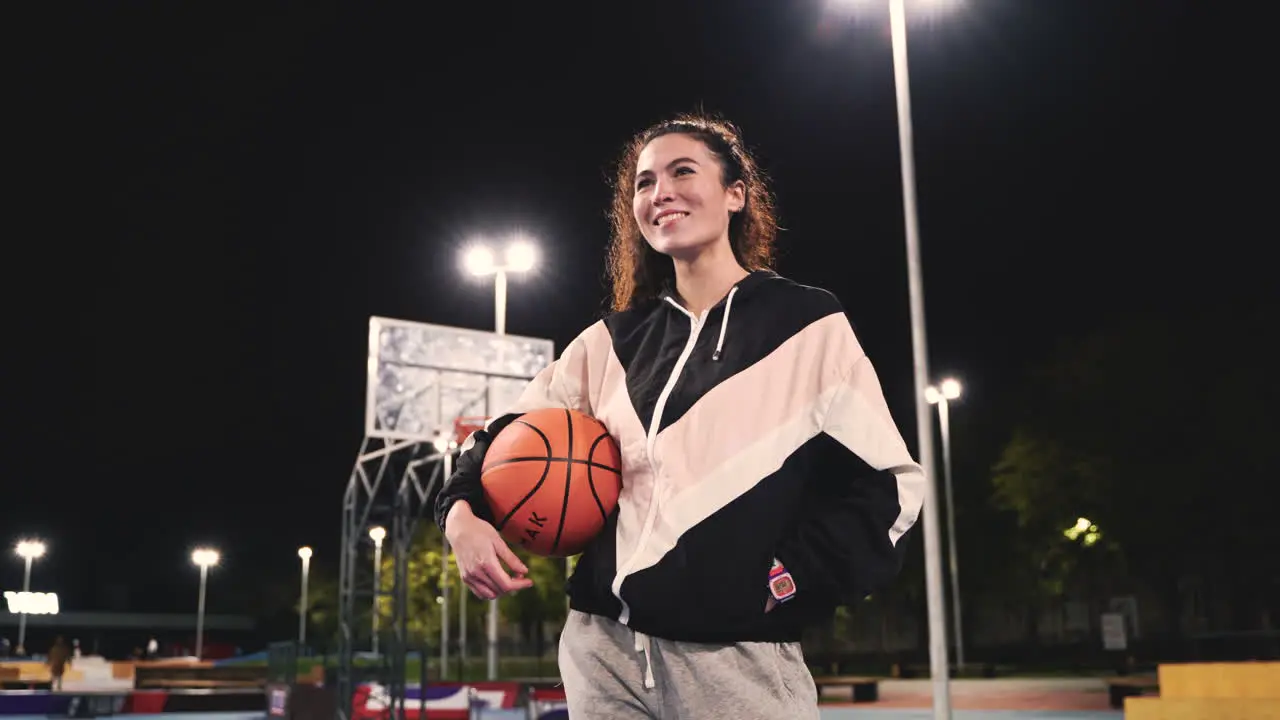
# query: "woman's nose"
(662, 192)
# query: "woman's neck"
(703, 280)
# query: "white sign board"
(32, 603)
(1113, 634)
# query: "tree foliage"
(1155, 431)
(428, 582)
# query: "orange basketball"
(551, 478)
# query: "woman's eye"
(642, 183)
(684, 171)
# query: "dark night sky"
(242, 192)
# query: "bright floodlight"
(205, 557)
(521, 256)
(912, 6)
(378, 534)
(31, 549)
(914, 10)
(479, 260)
(949, 389)
(304, 553)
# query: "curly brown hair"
(637, 271)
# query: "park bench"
(1119, 688)
(863, 689)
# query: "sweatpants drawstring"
(644, 646)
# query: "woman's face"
(680, 202)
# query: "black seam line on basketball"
(568, 476)
(591, 481)
(575, 461)
(546, 469)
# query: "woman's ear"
(737, 192)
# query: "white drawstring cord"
(643, 643)
(644, 646)
(724, 324)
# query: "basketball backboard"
(422, 378)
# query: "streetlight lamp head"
(522, 256)
(931, 6)
(931, 395)
(935, 6)
(950, 388)
(923, 11)
(31, 549)
(478, 260)
(205, 557)
(377, 533)
(304, 552)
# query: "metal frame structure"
(422, 379)
(386, 489)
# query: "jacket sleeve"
(867, 494)
(562, 384)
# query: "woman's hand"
(484, 560)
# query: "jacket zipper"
(651, 440)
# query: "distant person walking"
(59, 658)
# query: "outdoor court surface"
(883, 713)
(827, 714)
(1022, 699)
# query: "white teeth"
(669, 218)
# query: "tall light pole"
(939, 669)
(520, 256)
(942, 396)
(304, 553)
(29, 551)
(205, 558)
(377, 534)
(938, 666)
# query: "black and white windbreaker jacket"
(756, 431)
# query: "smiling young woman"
(712, 155)
(764, 480)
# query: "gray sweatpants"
(613, 673)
